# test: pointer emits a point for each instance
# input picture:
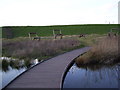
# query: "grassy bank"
(92, 39)
(104, 52)
(25, 48)
(22, 31)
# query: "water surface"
(11, 68)
(92, 77)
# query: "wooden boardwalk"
(48, 74)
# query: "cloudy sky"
(57, 12)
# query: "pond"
(11, 68)
(94, 76)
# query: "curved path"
(48, 74)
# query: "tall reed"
(105, 52)
(37, 49)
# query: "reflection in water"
(5, 65)
(17, 64)
(95, 76)
(11, 68)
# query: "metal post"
(119, 76)
(29, 35)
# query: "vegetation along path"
(48, 74)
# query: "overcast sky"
(57, 12)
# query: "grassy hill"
(22, 31)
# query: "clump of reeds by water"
(104, 52)
(37, 49)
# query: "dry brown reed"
(37, 49)
(104, 52)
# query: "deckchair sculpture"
(35, 37)
(56, 33)
(112, 33)
(82, 35)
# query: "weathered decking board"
(48, 74)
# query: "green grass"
(22, 31)
(91, 40)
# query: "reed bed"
(104, 52)
(37, 49)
